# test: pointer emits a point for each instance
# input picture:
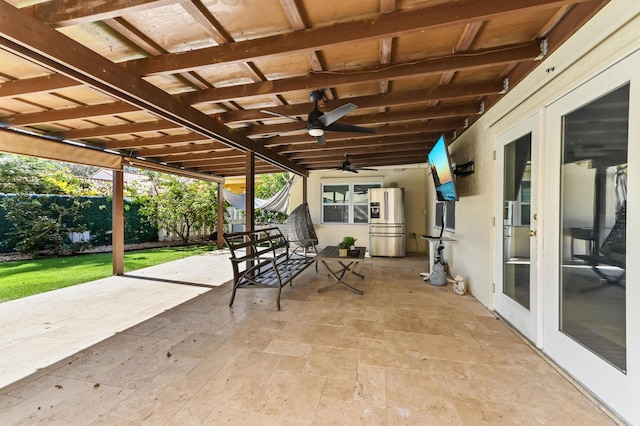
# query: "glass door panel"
(593, 225)
(517, 296)
(516, 282)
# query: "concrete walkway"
(40, 330)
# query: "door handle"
(532, 232)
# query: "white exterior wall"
(609, 36)
(412, 178)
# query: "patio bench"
(261, 259)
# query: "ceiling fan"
(348, 167)
(319, 122)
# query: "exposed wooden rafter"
(194, 76)
(55, 51)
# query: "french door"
(517, 296)
(592, 317)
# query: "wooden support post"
(304, 189)
(250, 170)
(117, 227)
(220, 227)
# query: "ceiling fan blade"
(336, 114)
(264, 111)
(339, 127)
(321, 140)
(366, 168)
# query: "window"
(449, 216)
(346, 202)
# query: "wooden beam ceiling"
(414, 72)
(55, 51)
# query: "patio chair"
(612, 251)
(301, 233)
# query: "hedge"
(97, 219)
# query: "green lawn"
(28, 277)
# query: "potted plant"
(345, 245)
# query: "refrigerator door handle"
(386, 206)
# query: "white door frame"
(526, 321)
(620, 391)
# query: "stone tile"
(233, 416)
(191, 414)
(463, 349)
(341, 386)
(276, 397)
(403, 353)
(363, 329)
(370, 385)
(107, 420)
(310, 333)
(418, 398)
(239, 381)
(329, 361)
(476, 412)
(383, 353)
(291, 363)
(59, 404)
(334, 412)
(161, 398)
(284, 347)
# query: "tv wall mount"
(465, 169)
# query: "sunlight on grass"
(29, 277)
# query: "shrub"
(44, 229)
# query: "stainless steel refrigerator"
(386, 222)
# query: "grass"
(28, 277)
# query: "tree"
(270, 185)
(25, 175)
(29, 175)
(180, 204)
(44, 227)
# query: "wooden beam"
(220, 224)
(330, 153)
(212, 161)
(386, 44)
(35, 85)
(304, 189)
(70, 113)
(379, 118)
(292, 12)
(412, 128)
(132, 144)
(455, 62)
(392, 24)
(468, 36)
(183, 149)
(250, 171)
(62, 13)
(187, 158)
(117, 223)
(31, 39)
(414, 97)
(120, 129)
(371, 142)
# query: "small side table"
(330, 254)
(433, 242)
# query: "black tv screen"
(442, 172)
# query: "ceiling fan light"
(316, 132)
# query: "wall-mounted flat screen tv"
(442, 172)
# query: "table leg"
(339, 276)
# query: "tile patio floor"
(154, 350)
